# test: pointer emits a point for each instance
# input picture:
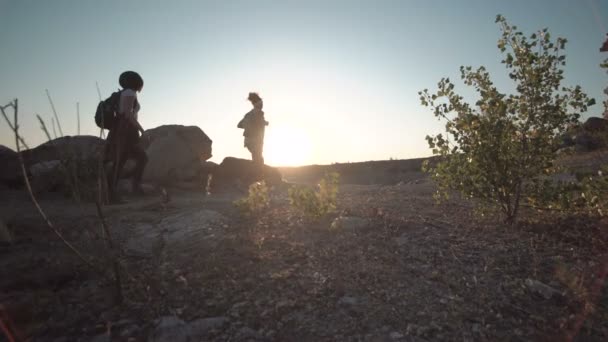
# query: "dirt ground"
(397, 268)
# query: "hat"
(131, 80)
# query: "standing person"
(123, 139)
(254, 125)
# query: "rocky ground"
(393, 266)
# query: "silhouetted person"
(254, 125)
(604, 47)
(123, 139)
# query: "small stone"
(101, 338)
(542, 289)
(395, 335)
(247, 332)
(347, 300)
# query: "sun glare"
(286, 146)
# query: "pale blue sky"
(339, 78)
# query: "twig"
(54, 112)
(98, 91)
(10, 125)
(53, 125)
(78, 118)
(35, 201)
(114, 257)
(595, 293)
(73, 182)
(101, 132)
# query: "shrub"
(257, 200)
(316, 204)
(494, 150)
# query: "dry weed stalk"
(15, 106)
(15, 127)
(71, 177)
(54, 112)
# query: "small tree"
(494, 150)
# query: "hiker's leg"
(258, 161)
(120, 155)
(141, 159)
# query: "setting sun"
(286, 146)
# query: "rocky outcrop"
(47, 163)
(81, 147)
(238, 174)
(175, 154)
(595, 124)
(590, 136)
(10, 172)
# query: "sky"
(339, 79)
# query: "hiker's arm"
(128, 102)
(243, 121)
(136, 124)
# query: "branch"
(114, 256)
(33, 198)
(12, 104)
(54, 112)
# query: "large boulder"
(175, 154)
(238, 174)
(10, 172)
(194, 137)
(595, 124)
(80, 147)
(49, 164)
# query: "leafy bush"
(587, 195)
(316, 204)
(257, 200)
(493, 150)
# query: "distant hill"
(370, 172)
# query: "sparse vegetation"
(502, 149)
(257, 200)
(315, 204)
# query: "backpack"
(105, 116)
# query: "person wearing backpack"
(254, 125)
(123, 138)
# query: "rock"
(171, 328)
(47, 176)
(5, 233)
(246, 333)
(586, 141)
(541, 289)
(204, 325)
(595, 124)
(395, 335)
(79, 154)
(198, 142)
(349, 223)
(348, 301)
(101, 338)
(590, 136)
(144, 238)
(238, 174)
(175, 154)
(191, 227)
(10, 172)
(82, 147)
(402, 240)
